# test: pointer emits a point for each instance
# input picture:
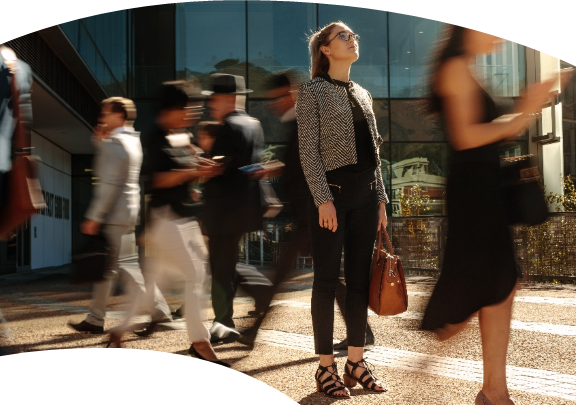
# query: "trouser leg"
(361, 227)
(101, 291)
(327, 253)
(223, 257)
(341, 300)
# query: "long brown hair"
(319, 63)
(449, 46)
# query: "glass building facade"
(131, 52)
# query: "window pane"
(371, 70)
(210, 37)
(71, 31)
(381, 111)
(419, 172)
(277, 34)
(411, 123)
(503, 72)
(412, 39)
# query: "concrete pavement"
(416, 368)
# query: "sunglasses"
(345, 36)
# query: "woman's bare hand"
(327, 216)
(382, 216)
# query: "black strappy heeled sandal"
(336, 384)
(367, 380)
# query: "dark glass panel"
(381, 112)
(210, 37)
(410, 122)
(419, 170)
(154, 48)
(411, 41)
(277, 40)
(371, 69)
(110, 35)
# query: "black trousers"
(226, 277)
(299, 242)
(356, 205)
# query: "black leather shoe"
(178, 314)
(343, 345)
(146, 330)
(193, 352)
(86, 327)
(221, 333)
(248, 337)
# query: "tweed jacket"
(326, 135)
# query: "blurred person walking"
(114, 210)
(15, 110)
(281, 101)
(479, 274)
(173, 232)
(232, 203)
(338, 143)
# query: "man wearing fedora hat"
(232, 202)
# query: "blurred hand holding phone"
(259, 171)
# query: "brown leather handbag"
(388, 294)
(24, 194)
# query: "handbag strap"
(20, 141)
(380, 245)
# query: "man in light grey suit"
(114, 207)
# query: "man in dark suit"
(232, 202)
(11, 70)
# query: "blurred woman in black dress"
(479, 273)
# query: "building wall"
(51, 229)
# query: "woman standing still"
(338, 142)
(479, 273)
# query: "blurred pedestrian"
(206, 132)
(479, 273)
(16, 76)
(173, 231)
(114, 210)
(232, 203)
(338, 143)
(205, 135)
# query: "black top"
(364, 147)
(163, 157)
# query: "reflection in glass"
(380, 108)
(569, 140)
(410, 122)
(210, 37)
(101, 42)
(277, 39)
(371, 70)
(412, 40)
(418, 172)
(503, 72)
